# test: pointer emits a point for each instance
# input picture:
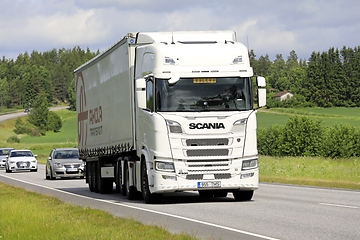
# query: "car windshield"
(5, 152)
(203, 94)
(21, 154)
(66, 154)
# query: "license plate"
(216, 184)
(71, 170)
(23, 165)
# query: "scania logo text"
(206, 126)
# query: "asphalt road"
(276, 211)
(21, 114)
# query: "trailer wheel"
(93, 176)
(147, 195)
(89, 172)
(243, 195)
(130, 190)
(120, 187)
(104, 185)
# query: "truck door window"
(150, 94)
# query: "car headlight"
(249, 164)
(164, 166)
(58, 165)
(33, 161)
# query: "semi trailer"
(165, 112)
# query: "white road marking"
(148, 210)
(337, 205)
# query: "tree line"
(326, 79)
(49, 73)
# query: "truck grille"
(207, 142)
(207, 152)
(200, 176)
(207, 166)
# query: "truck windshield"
(203, 94)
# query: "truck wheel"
(105, 185)
(147, 195)
(243, 195)
(130, 190)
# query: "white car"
(21, 160)
(3, 154)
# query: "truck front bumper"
(166, 182)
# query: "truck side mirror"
(261, 81)
(261, 91)
(141, 93)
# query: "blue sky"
(267, 26)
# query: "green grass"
(339, 173)
(27, 215)
(67, 134)
(329, 116)
(70, 222)
(42, 146)
(314, 171)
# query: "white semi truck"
(162, 112)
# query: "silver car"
(3, 154)
(64, 163)
(21, 160)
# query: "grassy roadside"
(343, 173)
(314, 171)
(329, 116)
(42, 146)
(27, 215)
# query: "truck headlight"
(174, 127)
(164, 166)
(239, 125)
(249, 164)
(241, 121)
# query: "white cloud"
(272, 26)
